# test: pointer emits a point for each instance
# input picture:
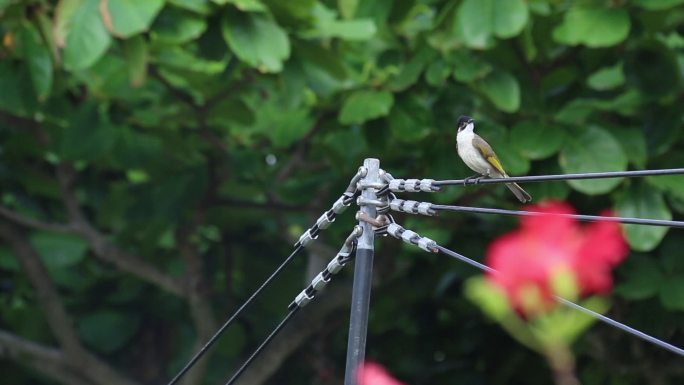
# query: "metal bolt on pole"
(363, 274)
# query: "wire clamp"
(384, 175)
(325, 220)
(301, 300)
(412, 207)
(412, 185)
(307, 238)
(362, 201)
(412, 238)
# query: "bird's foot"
(474, 179)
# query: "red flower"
(544, 247)
(371, 373)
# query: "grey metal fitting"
(408, 235)
(412, 185)
(425, 208)
(334, 266)
(319, 282)
(302, 299)
(355, 234)
(363, 184)
(387, 177)
(306, 238)
(427, 244)
(409, 207)
(395, 204)
(339, 206)
(394, 230)
(426, 185)
(361, 201)
(323, 222)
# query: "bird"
(477, 154)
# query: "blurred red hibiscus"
(552, 247)
(371, 373)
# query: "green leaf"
(410, 120)
(80, 31)
(125, 18)
(437, 73)
(488, 297)
(661, 127)
(643, 278)
(412, 69)
(468, 67)
(291, 127)
(643, 201)
(257, 40)
(633, 143)
(592, 149)
(502, 89)
(480, 20)
(672, 293)
(652, 68)
(657, 5)
(87, 137)
(364, 105)
(347, 8)
(181, 59)
(135, 50)
(244, 5)
(318, 56)
(38, 58)
(59, 250)
(536, 140)
(607, 78)
(176, 26)
(352, 30)
(198, 6)
(593, 26)
(108, 330)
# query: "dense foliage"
(157, 159)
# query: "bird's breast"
(470, 155)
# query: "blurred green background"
(159, 158)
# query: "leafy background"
(158, 158)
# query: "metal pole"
(363, 274)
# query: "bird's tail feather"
(521, 194)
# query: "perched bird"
(479, 156)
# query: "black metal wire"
(232, 318)
(258, 350)
(636, 221)
(540, 178)
(570, 304)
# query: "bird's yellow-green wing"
(486, 151)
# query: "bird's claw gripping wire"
(336, 264)
(473, 179)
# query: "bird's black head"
(463, 122)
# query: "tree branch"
(102, 247)
(34, 223)
(55, 314)
(198, 299)
(49, 361)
